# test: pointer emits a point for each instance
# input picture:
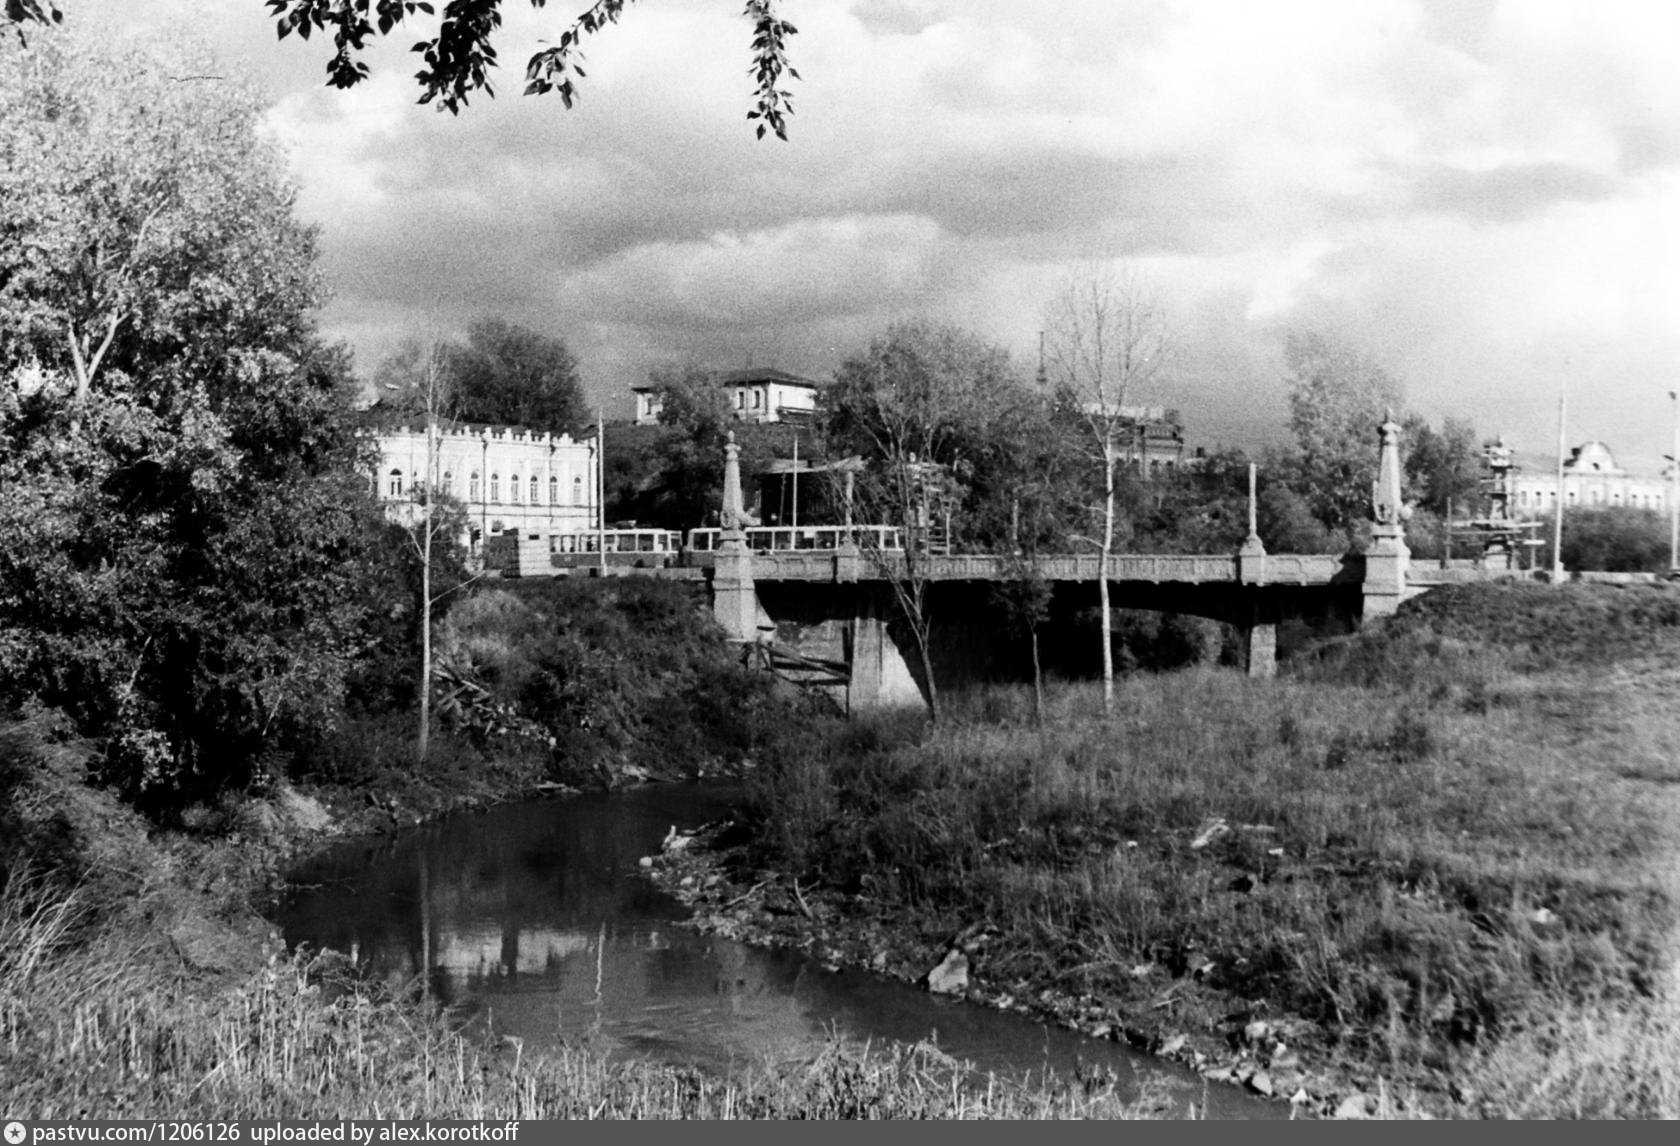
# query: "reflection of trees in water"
(545, 864)
(534, 922)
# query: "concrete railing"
(1195, 569)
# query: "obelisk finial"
(734, 508)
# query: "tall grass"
(1445, 850)
(96, 1032)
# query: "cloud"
(1482, 193)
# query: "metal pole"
(1446, 537)
(796, 481)
(1253, 509)
(1557, 517)
(1674, 491)
(601, 489)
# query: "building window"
(553, 490)
(533, 489)
(472, 487)
(448, 487)
(395, 486)
(757, 397)
(513, 488)
(740, 399)
(495, 487)
(577, 491)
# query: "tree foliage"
(1614, 539)
(1443, 466)
(459, 54)
(510, 375)
(925, 393)
(183, 536)
(503, 374)
(1338, 396)
(940, 418)
(142, 226)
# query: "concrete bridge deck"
(841, 566)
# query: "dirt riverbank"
(1179, 1014)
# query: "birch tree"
(422, 378)
(1106, 341)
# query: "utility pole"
(1674, 491)
(1557, 518)
(796, 482)
(601, 488)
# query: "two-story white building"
(1591, 479)
(509, 480)
(755, 395)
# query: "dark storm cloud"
(1509, 192)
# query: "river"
(536, 924)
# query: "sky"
(1483, 196)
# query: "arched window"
(577, 491)
(513, 488)
(553, 490)
(473, 487)
(756, 398)
(495, 487)
(395, 486)
(534, 489)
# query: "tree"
(509, 375)
(928, 408)
(458, 58)
(436, 519)
(182, 531)
(696, 415)
(459, 55)
(503, 374)
(139, 229)
(1443, 468)
(20, 12)
(1337, 398)
(1107, 340)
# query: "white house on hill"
(756, 395)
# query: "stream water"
(533, 920)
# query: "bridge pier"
(1260, 650)
(880, 676)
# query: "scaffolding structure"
(1502, 537)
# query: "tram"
(647, 548)
(780, 538)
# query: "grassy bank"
(97, 1023)
(136, 980)
(1441, 854)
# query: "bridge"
(834, 610)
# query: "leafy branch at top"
(21, 12)
(459, 57)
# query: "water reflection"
(531, 920)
